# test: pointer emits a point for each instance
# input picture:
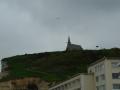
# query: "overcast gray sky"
(32, 26)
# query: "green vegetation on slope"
(55, 66)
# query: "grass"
(55, 66)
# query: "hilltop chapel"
(72, 47)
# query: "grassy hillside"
(55, 66)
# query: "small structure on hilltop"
(72, 47)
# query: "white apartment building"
(103, 74)
(106, 73)
(78, 82)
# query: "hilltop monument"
(72, 47)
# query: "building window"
(97, 87)
(62, 87)
(102, 67)
(73, 82)
(116, 86)
(115, 64)
(58, 88)
(90, 71)
(97, 79)
(78, 89)
(78, 80)
(102, 77)
(99, 68)
(69, 85)
(116, 75)
(102, 87)
(96, 69)
(66, 86)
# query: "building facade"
(106, 73)
(103, 74)
(76, 83)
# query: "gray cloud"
(29, 26)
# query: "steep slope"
(54, 66)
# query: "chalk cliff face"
(24, 84)
(4, 66)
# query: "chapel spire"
(72, 47)
(69, 42)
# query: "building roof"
(71, 78)
(72, 47)
(104, 58)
